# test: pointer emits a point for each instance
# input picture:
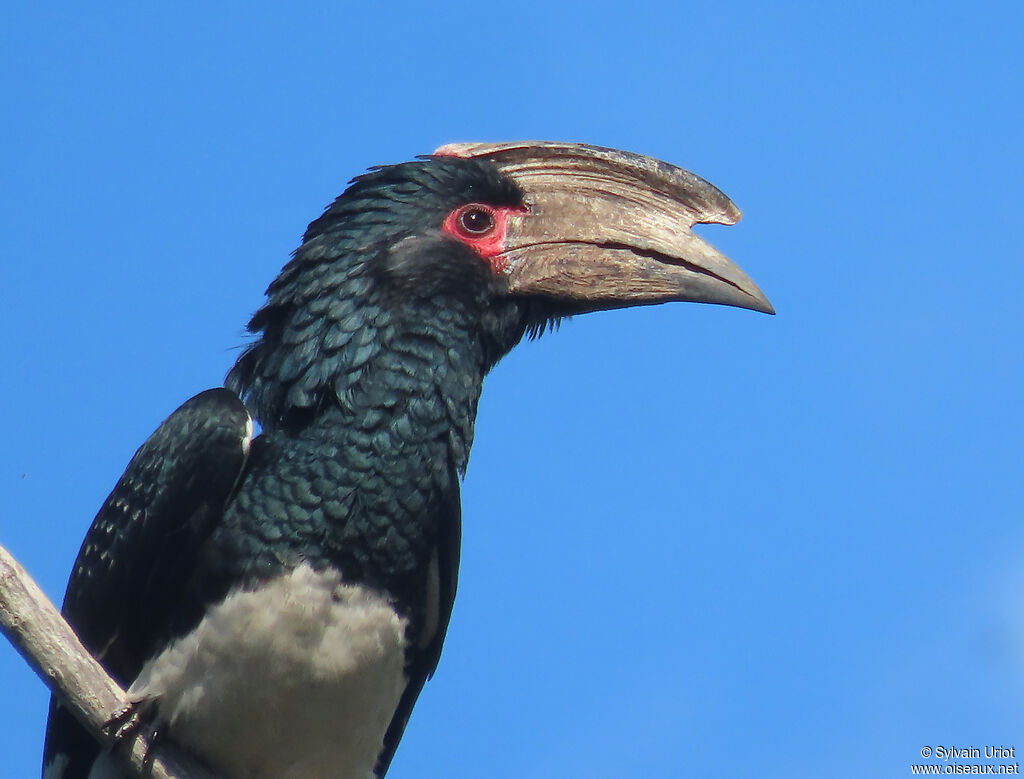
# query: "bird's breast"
(298, 678)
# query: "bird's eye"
(476, 220)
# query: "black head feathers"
(375, 267)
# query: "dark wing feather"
(128, 592)
(421, 664)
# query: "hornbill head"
(474, 246)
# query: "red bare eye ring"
(483, 228)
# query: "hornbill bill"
(275, 603)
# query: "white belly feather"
(297, 679)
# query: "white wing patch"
(106, 767)
(56, 767)
(247, 438)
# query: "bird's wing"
(132, 570)
(422, 661)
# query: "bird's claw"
(123, 722)
(126, 722)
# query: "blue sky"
(698, 541)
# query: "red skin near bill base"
(489, 243)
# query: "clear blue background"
(698, 541)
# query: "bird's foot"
(124, 722)
(129, 720)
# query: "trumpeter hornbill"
(275, 604)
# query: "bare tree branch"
(51, 647)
